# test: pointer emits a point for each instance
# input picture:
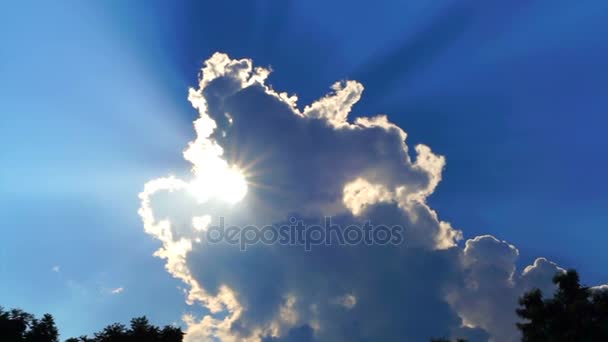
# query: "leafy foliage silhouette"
(19, 326)
(575, 313)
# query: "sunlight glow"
(227, 184)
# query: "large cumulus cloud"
(260, 159)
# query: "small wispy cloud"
(56, 269)
(117, 290)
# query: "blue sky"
(93, 104)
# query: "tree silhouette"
(575, 313)
(80, 339)
(43, 330)
(171, 334)
(139, 329)
(112, 333)
(19, 326)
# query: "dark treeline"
(19, 326)
(574, 313)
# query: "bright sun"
(227, 184)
